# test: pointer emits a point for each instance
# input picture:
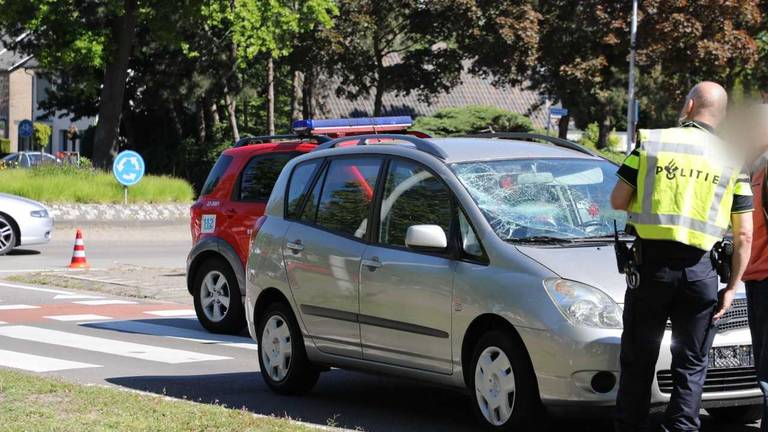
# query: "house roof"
(473, 90)
(10, 59)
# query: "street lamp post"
(631, 105)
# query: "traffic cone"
(78, 254)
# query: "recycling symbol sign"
(128, 168)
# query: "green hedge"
(472, 119)
(5, 145)
(69, 184)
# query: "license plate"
(726, 357)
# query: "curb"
(77, 213)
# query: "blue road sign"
(128, 168)
(26, 129)
(558, 112)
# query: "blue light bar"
(365, 124)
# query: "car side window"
(299, 184)
(412, 196)
(259, 176)
(470, 244)
(347, 195)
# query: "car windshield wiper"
(605, 238)
(540, 240)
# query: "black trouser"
(757, 298)
(685, 291)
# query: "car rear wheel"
(504, 386)
(7, 236)
(282, 355)
(739, 414)
(218, 304)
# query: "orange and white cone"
(78, 254)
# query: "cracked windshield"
(558, 198)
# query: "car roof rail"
(267, 139)
(420, 143)
(526, 136)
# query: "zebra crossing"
(69, 331)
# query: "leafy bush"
(42, 134)
(591, 137)
(472, 119)
(5, 145)
(71, 184)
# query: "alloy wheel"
(495, 386)
(215, 296)
(6, 234)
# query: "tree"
(391, 46)
(86, 48)
(686, 42)
(575, 51)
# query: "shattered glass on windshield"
(560, 198)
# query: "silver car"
(484, 264)
(23, 222)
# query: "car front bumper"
(35, 230)
(567, 360)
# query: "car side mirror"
(426, 237)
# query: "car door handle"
(295, 246)
(372, 263)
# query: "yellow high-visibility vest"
(685, 187)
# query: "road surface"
(159, 347)
(106, 246)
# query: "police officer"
(680, 194)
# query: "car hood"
(18, 199)
(592, 265)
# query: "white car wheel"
(276, 350)
(7, 236)
(215, 296)
(495, 386)
(283, 359)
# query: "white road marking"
(172, 313)
(34, 363)
(17, 307)
(29, 288)
(178, 333)
(104, 302)
(106, 346)
(76, 297)
(81, 318)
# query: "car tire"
(7, 235)
(744, 414)
(503, 384)
(218, 304)
(283, 360)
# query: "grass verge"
(32, 403)
(55, 184)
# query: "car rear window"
(217, 172)
(300, 182)
(260, 175)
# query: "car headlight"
(39, 213)
(584, 305)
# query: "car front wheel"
(7, 236)
(282, 355)
(218, 304)
(504, 388)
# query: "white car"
(23, 222)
